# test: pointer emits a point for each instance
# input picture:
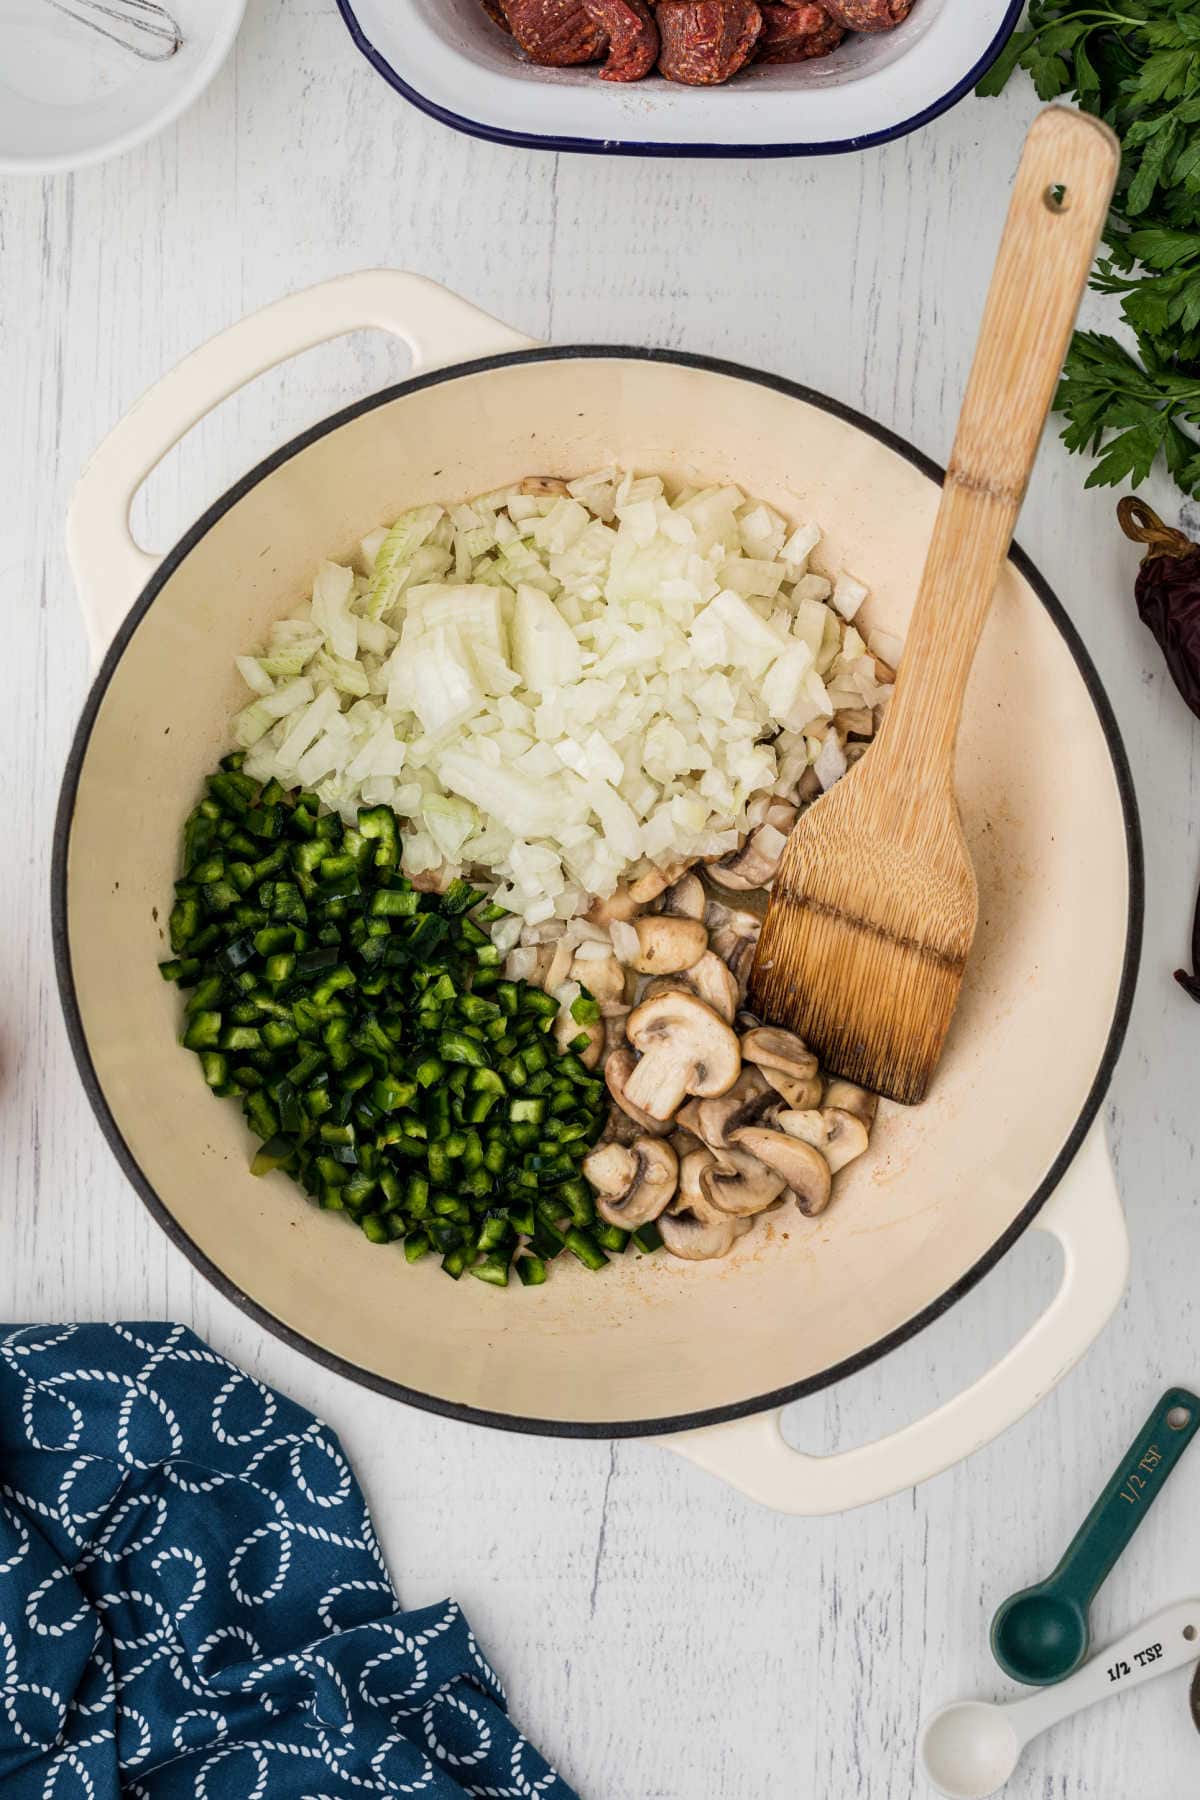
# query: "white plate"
(450, 60)
(69, 97)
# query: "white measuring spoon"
(970, 1749)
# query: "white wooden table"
(662, 1639)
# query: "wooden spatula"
(874, 905)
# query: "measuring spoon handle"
(1168, 1640)
(1135, 1485)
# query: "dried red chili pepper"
(1168, 593)
(1168, 602)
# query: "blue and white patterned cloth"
(193, 1603)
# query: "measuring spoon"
(970, 1749)
(1042, 1633)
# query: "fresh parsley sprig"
(1136, 64)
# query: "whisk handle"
(143, 27)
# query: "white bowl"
(68, 97)
(451, 61)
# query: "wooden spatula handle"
(1063, 188)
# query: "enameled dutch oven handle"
(1085, 1215)
(751, 1454)
(110, 568)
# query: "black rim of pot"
(688, 1421)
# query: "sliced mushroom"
(716, 984)
(602, 976)
(685, 899)
(614, 1028)
(745, 1103)
(683, 1141)
(432, 881)
(808, 788)
(797, 1165)
(846, 1097)
(725, 942)
(745, 916)
(529, 962)
(737, 953)
(633, 1182)
(559, 966)
(688, 1117)
(739, 1184)
(839, 1136)
(691, 1226)
(747, 920)
(605, 980)
(620, 906)
(686, 1049)
(716, 910)
(855, 721)
(782, 814)
(750, 867)
(654, 882)
(772, 1048)
(848, 1138)
(617, 1070)
(542, 486)
(800, 1094)
(709, 979)
(567, 1029)
(668, 944)
(804, 1123)
(619, 1128)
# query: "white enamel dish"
(705, 1354)
(68, 97)
(449, 59)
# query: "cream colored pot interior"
(653, 1338)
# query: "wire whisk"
(142, 27)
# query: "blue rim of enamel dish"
(532, 140)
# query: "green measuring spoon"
(1042, 1634)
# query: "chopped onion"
(848, 594)
(557, 692)
(590, 951)
(625, 942)
(886, 646)
(830, 765)
(521, 964)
